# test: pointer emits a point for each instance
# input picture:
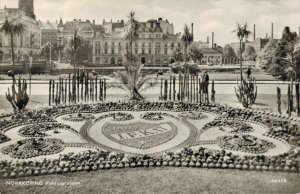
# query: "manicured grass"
(162, 180)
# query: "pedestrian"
(205, 80)
(248, 72)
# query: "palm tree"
(132, 78)
(242, 33)
(76, 37)
(13, 25)
(187, 39)
(131, 34)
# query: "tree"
(280, 57)
(83, 52)
(187, 39)
(76, 37)
(249, 53)
(177, 54)
(131, 34)
(228, 52)
(132, 78)
(195, 54)
(13, 25)
(242, 33)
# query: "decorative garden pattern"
(244, 143)
(148, 135)
(78, 117)
(40, 129)
(121, 116)
(193, 115)
(33, 147)
(234, 126)
(3, 138)
(140, 135)
(152, 116)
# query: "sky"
(218, 16)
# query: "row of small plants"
(100, 160)
(244, 143)
(33, 147)
(78, 117)
(40, 129)
(236, 126)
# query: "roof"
(210, 50)
(48, 25)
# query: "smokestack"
(254, 32)
(266, 35)
(208, 38)
(192, 31)
(212, 39)
(272, 30)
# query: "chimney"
(79, 20)
(207, 39)
(122, 21)
(212, 39)
(254, 32)
(266, 35)
(215, 45)
(272, 30)
(192, 31)
(94, 22)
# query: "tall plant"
(13, 26)
(242, 33)
(132, 79)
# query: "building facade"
(29, 42)
(156, 40)
(211, 56)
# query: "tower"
(28, 7)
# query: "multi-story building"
(29, 42)
(211, 56)
(156, 40)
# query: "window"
(97, 60)
(157, 36)
(105, 51)
(143, 51)
(166, 51)
(105, 43)
(149, 51)
(149, 61)
(157, 44)
(136, 51)
(143, 44)
(112, 44)
(157, 60)
(165, 60)
(157, 51)
(166, 45)
(112, 51)
(106, 60)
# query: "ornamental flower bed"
(40, 129)
(244, 143)
(78, 117)
(33, 147)
(193, 115)
(135, 130)
(152, 116)
(101, 160)
(236, 126)
(120, 116)
(3, 138)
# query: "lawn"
(161, 180)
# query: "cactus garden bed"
(150, 137)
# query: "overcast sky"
(219, 16)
